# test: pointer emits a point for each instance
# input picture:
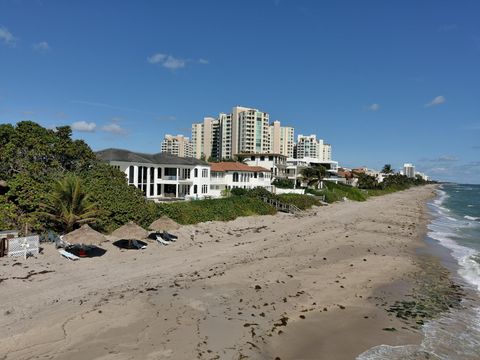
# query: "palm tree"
(387, 169)
(314, 175)
(69, 205)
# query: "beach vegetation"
(313, 175)
(335, 192)
(387, 169)
(69, 205)
(303, 202)
(225, 209)
(34, 160)
(283, 183)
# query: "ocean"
(455, 335)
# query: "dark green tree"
(366, 182)
(69, 205)
(313, 175)
(121, 203)
(387, 169)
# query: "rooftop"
(159, 158)
(236, 166)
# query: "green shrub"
(336, 192)
(193, 212)
(283, 183)
(121, 203)
(303, 202)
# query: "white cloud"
(374, 107)
(447, 158)
(41, 46)
(156, 58)
(84, 126)
(203, 61)
(437, 101)
(167, 61)
(7, 37)
(447, 28)
(114, 129)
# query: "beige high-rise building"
(282, 139)
(244, 130)
(311, 147)
(177, 145)
(327, 152)
(204, 140)
(253, 132)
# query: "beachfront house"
(161, 176)
(230, 175)
(275, 163)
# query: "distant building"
(311, 147)
(177, 145)
(161, 175)
(409, 170)
(422, 175)
(230, 175)
(243, 130)
(327, 152)
(282, 139)
(206, 139)
(275, 163)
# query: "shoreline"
(276, 286)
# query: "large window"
(159, 173)
(131, 174)
(235, 177)
(152, 175)
(139, 175)
(170, 173)
(205, 173)
(195, 173)
(204, 189)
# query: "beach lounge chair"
(137, 245)
(161, 241)
(169, 237)
(68, 255)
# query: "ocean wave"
(473, 218)
(404, 352)
(456, 334)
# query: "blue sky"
(382, 81)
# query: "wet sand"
(283, 286)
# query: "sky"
(382, 81)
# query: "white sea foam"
(456, 334)
(473, 218)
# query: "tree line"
(50, 181)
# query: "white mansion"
(164, 176)
(161, 175)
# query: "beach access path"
(283, 286)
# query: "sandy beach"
(269, 287)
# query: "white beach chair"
(161, 241)
(169, 237)
(68, 255)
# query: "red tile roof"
(235, 166)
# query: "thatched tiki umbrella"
(164, 224)
(128, 235)
(85, 236)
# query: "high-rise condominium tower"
(177, 145)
